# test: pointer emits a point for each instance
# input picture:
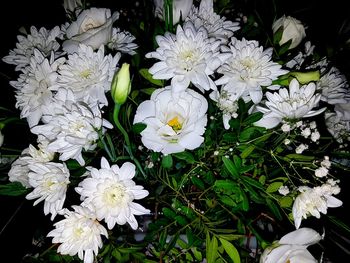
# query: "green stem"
(126, 137)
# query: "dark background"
(328, 27)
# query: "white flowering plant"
(192, 132)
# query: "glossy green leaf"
(230, 250)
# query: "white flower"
(1, 138)
(181, 8)
(313, 201)
(286, 127)
(72, 128)
(302, 147)
(44, 40)
(72, 6)
(326, 163)
(247, 69)
(33, 86)
(292, 30)
(217, 27)
(321, 172)
(292, 248)
(299, 59)
(306, 132)
(122, 41)
(338, 122)
(174, 123)
(88, 74)
(187, 57)
(315, 136)
(290, 106)
(110, 192)
(283, 190)
(31, 155)
(49, 181)
(227, 103)
(93, 28)
(79, 233)
(334, 87)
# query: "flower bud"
(306, 77)
(181, 9)
(292, 28)
(121, 84)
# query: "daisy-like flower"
(88, 74)
(122, 41)
(31, 155)
(187, 57)
(217, 27)
(227, 103)
(110, 192)
(334, 87)
(50, 181)
(44, 40)
(78, 233)
(289, 106)
(175, 122)
(248, 68)
(33, 86)
(73, 128)
(338, 123)
(314, 201)
(292, 247)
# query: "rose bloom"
(292, 28)
(292, 247)
(181, 8)
(175, 122)
(93, 27)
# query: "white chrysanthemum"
(20, 167)
(50, 181)
(79, 233)
(187, 57)
(122, 41)
(110, 192)
(227, 103)
(44, 40)
(217, 27)
(175, 122)
(300, 58)
(334, 87)
(248, 68)
(73, 128)
(313, 201)
(88, 74)
(338, 122)
(289, 106)
(33, 86)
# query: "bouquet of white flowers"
(187, 133)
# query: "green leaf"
(274, 208)
(212, 250)
(253, 182)
(230, 250)
(138, 127)
(247, 151)
(167, 161)
(148, 76)
(230, 166)
(198, 182)
(299, 157)
(286, 201)
(225, 185)
(185, 156)
(148, 91)
(181, 220)
(168, 212)
(13, 189)
(253, 118)
(274, 187)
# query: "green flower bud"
(121, 84)
(306, 77)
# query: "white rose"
(93, 27)
(292, 28)
(292, 247)
(181, 9)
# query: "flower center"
(115, 195)
(175, 124)
(85, 74)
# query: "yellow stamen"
(175, 124)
